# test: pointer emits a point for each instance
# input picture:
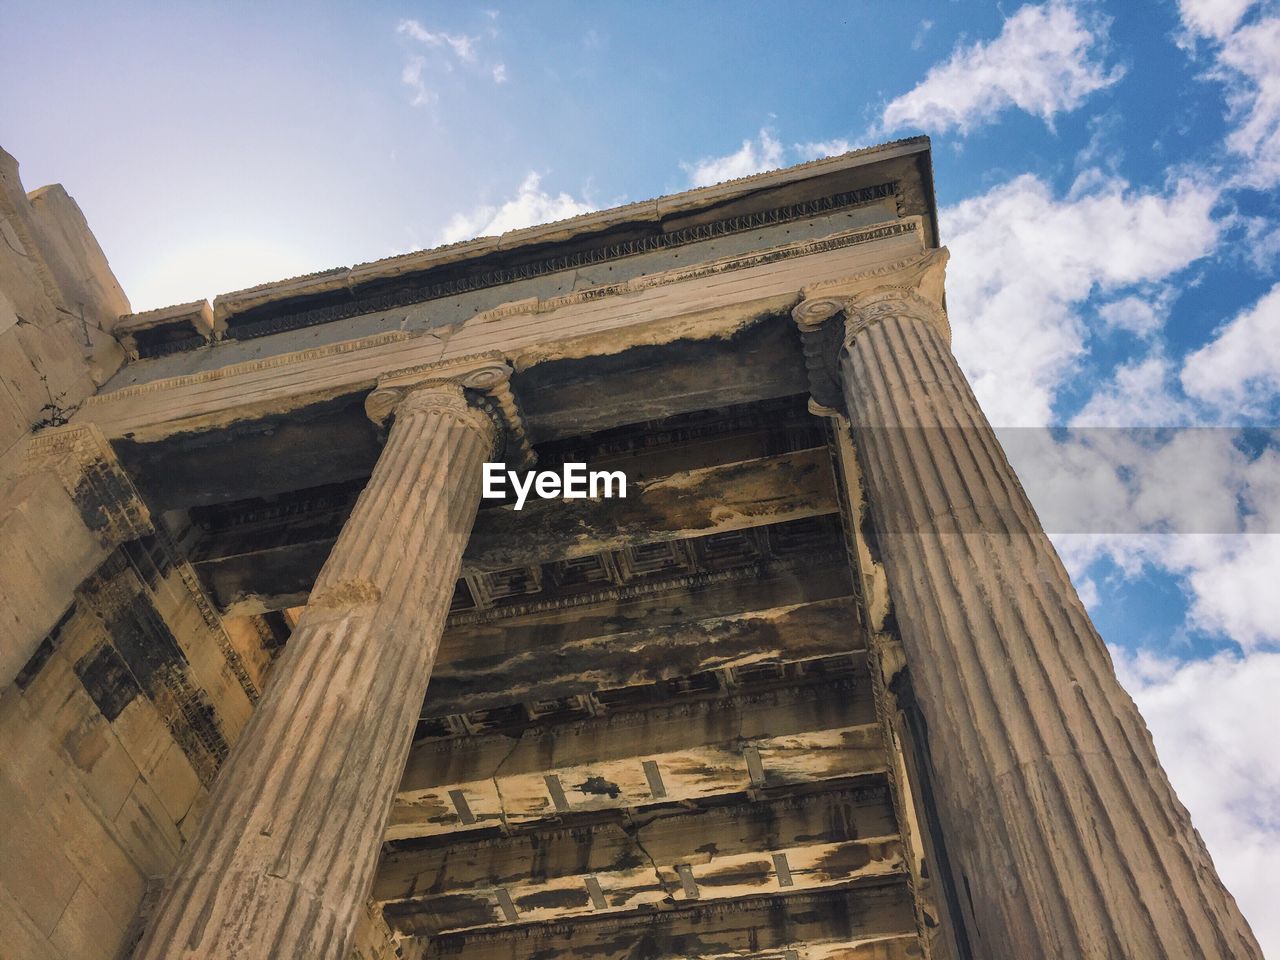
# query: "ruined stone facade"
(279, 682)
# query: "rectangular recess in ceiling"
(686, 880)
(783, 869)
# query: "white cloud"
(1137, 395)
(817, 149)
(1213, 18)
(450, 52)
(463, 47)
(1189, 503)
(1214, 723)
(1087, 588)
(1142, 315)
(1045, 61)
(1238, 371)
(1252, 53)
(531, 205)
(411, 77)
(921, 31)
(1248, 63)
(753, 157)
(1023, 263)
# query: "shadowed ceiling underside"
(650, 731)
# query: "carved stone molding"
(479, 388)
(811, 313)
(232, 370)
(411, 291)
(832, 313)
(868, 309)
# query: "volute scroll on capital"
(831, 315)
(884, 303)
(478, 395)
(912, 288)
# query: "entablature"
(701, 302)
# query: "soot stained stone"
(108, 680)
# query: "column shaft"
(1064, 834)
(288, 843)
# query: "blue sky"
(1107, 176)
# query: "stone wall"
(121, 691)
(111, 733)
(58, 302)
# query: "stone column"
(287, 846)
(1064, 836)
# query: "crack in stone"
(633, 830)
(502, 803)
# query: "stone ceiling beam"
(860, 923)
(667, 856)
(490, 665)
(693, 747)
(244, 578)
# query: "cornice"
(789, 251)
(354, 378)
(251, 366)
(342, 280)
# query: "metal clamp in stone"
(485, 387)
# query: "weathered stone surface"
(863, 923)
(1043, 770)
(698, 748)
(154, 332)
(71, 507)
(729, 849)
(287, 846)
(58, 301)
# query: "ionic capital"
(811, 313)
(832, 313)
(884, 303)
(911, 288)
(478, 395)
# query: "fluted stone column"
(1064, 835)
(288, 843)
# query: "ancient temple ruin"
(278, 682)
